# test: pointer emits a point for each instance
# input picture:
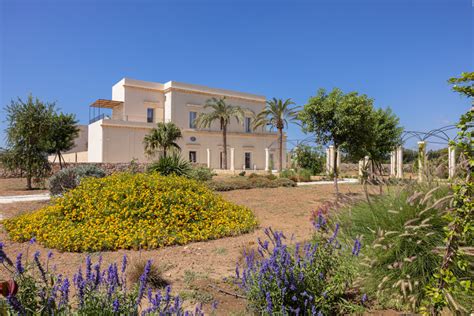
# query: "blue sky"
(399, 52)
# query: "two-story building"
(136, 106)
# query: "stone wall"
(109, 168)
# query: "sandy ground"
(17, 186)
(205, 264)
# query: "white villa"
(117, 126)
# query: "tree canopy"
(62, 134)
(164, 137)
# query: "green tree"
(223, 113)
(309, 158)
(385, 135)
(63, 132)
(277, 114)
(343, 120)
(27, 133)
(464, 84)
(164, 137)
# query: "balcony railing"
(98, 118)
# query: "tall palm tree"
(163, 137)
(223, 113)
(277, 114)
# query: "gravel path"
(24, 198)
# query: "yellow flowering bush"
(126, 211)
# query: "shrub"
(127, 210)
(98, 292)
(201, 173)
(287, 173)
(69, 178)
(309, 279)
(310, 158)
(403, 231)
(155, 277)
(168, 165)
(242, 173)
(249, 183)
(304, 175)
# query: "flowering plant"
(312, 278)
(40, 290)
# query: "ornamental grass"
(132, 211)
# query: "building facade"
(116, 134)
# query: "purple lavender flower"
(3, 255)
(214, 305)
(19, 265)
(64, 289)
(356, 248)
(88, 268)
(269, 303)
(116, 306)
(143, 281)
(32, 240)
(124, 263)
(16, 305)
(334, 235)
(40, 266)
(364, 299)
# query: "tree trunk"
(224, 136)
(335, 173)
(164, 152)
(280, 132)
(28, 183)
(60, 163)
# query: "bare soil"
(17, 186)
(199, 271)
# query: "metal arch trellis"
(436, 136)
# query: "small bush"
(155, 275)
(307, 279)
(168, 165)
(249, 183)
(97, 291)
(304, 175)
(287, 173)
(70, 178)
(126, 210)
(201, 173)
(242, 173)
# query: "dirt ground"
(197, 271)
(17, 186)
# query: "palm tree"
(277, 114)
(163, 137)
(222, 112)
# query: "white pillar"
(328, 161)
(399, 162)
(451, 161)
(232, 159)
(267, 159)
(393, 162)
(421, 161)
(361, 167)
(208, 157)
(331, 159)
(338, 165)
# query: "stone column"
(331, 159)
(232, 158)
(361, 168)
(267, 159)
(399, 162)
(338, 165)
(393, 161)
(328, 159)
(421, 161)
(208, 157)
(451, 161)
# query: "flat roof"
(103, 103)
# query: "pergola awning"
(102, 103)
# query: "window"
(247, 125)
(248, 161)
(149, 115)
(192, 156)
(192, 119)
